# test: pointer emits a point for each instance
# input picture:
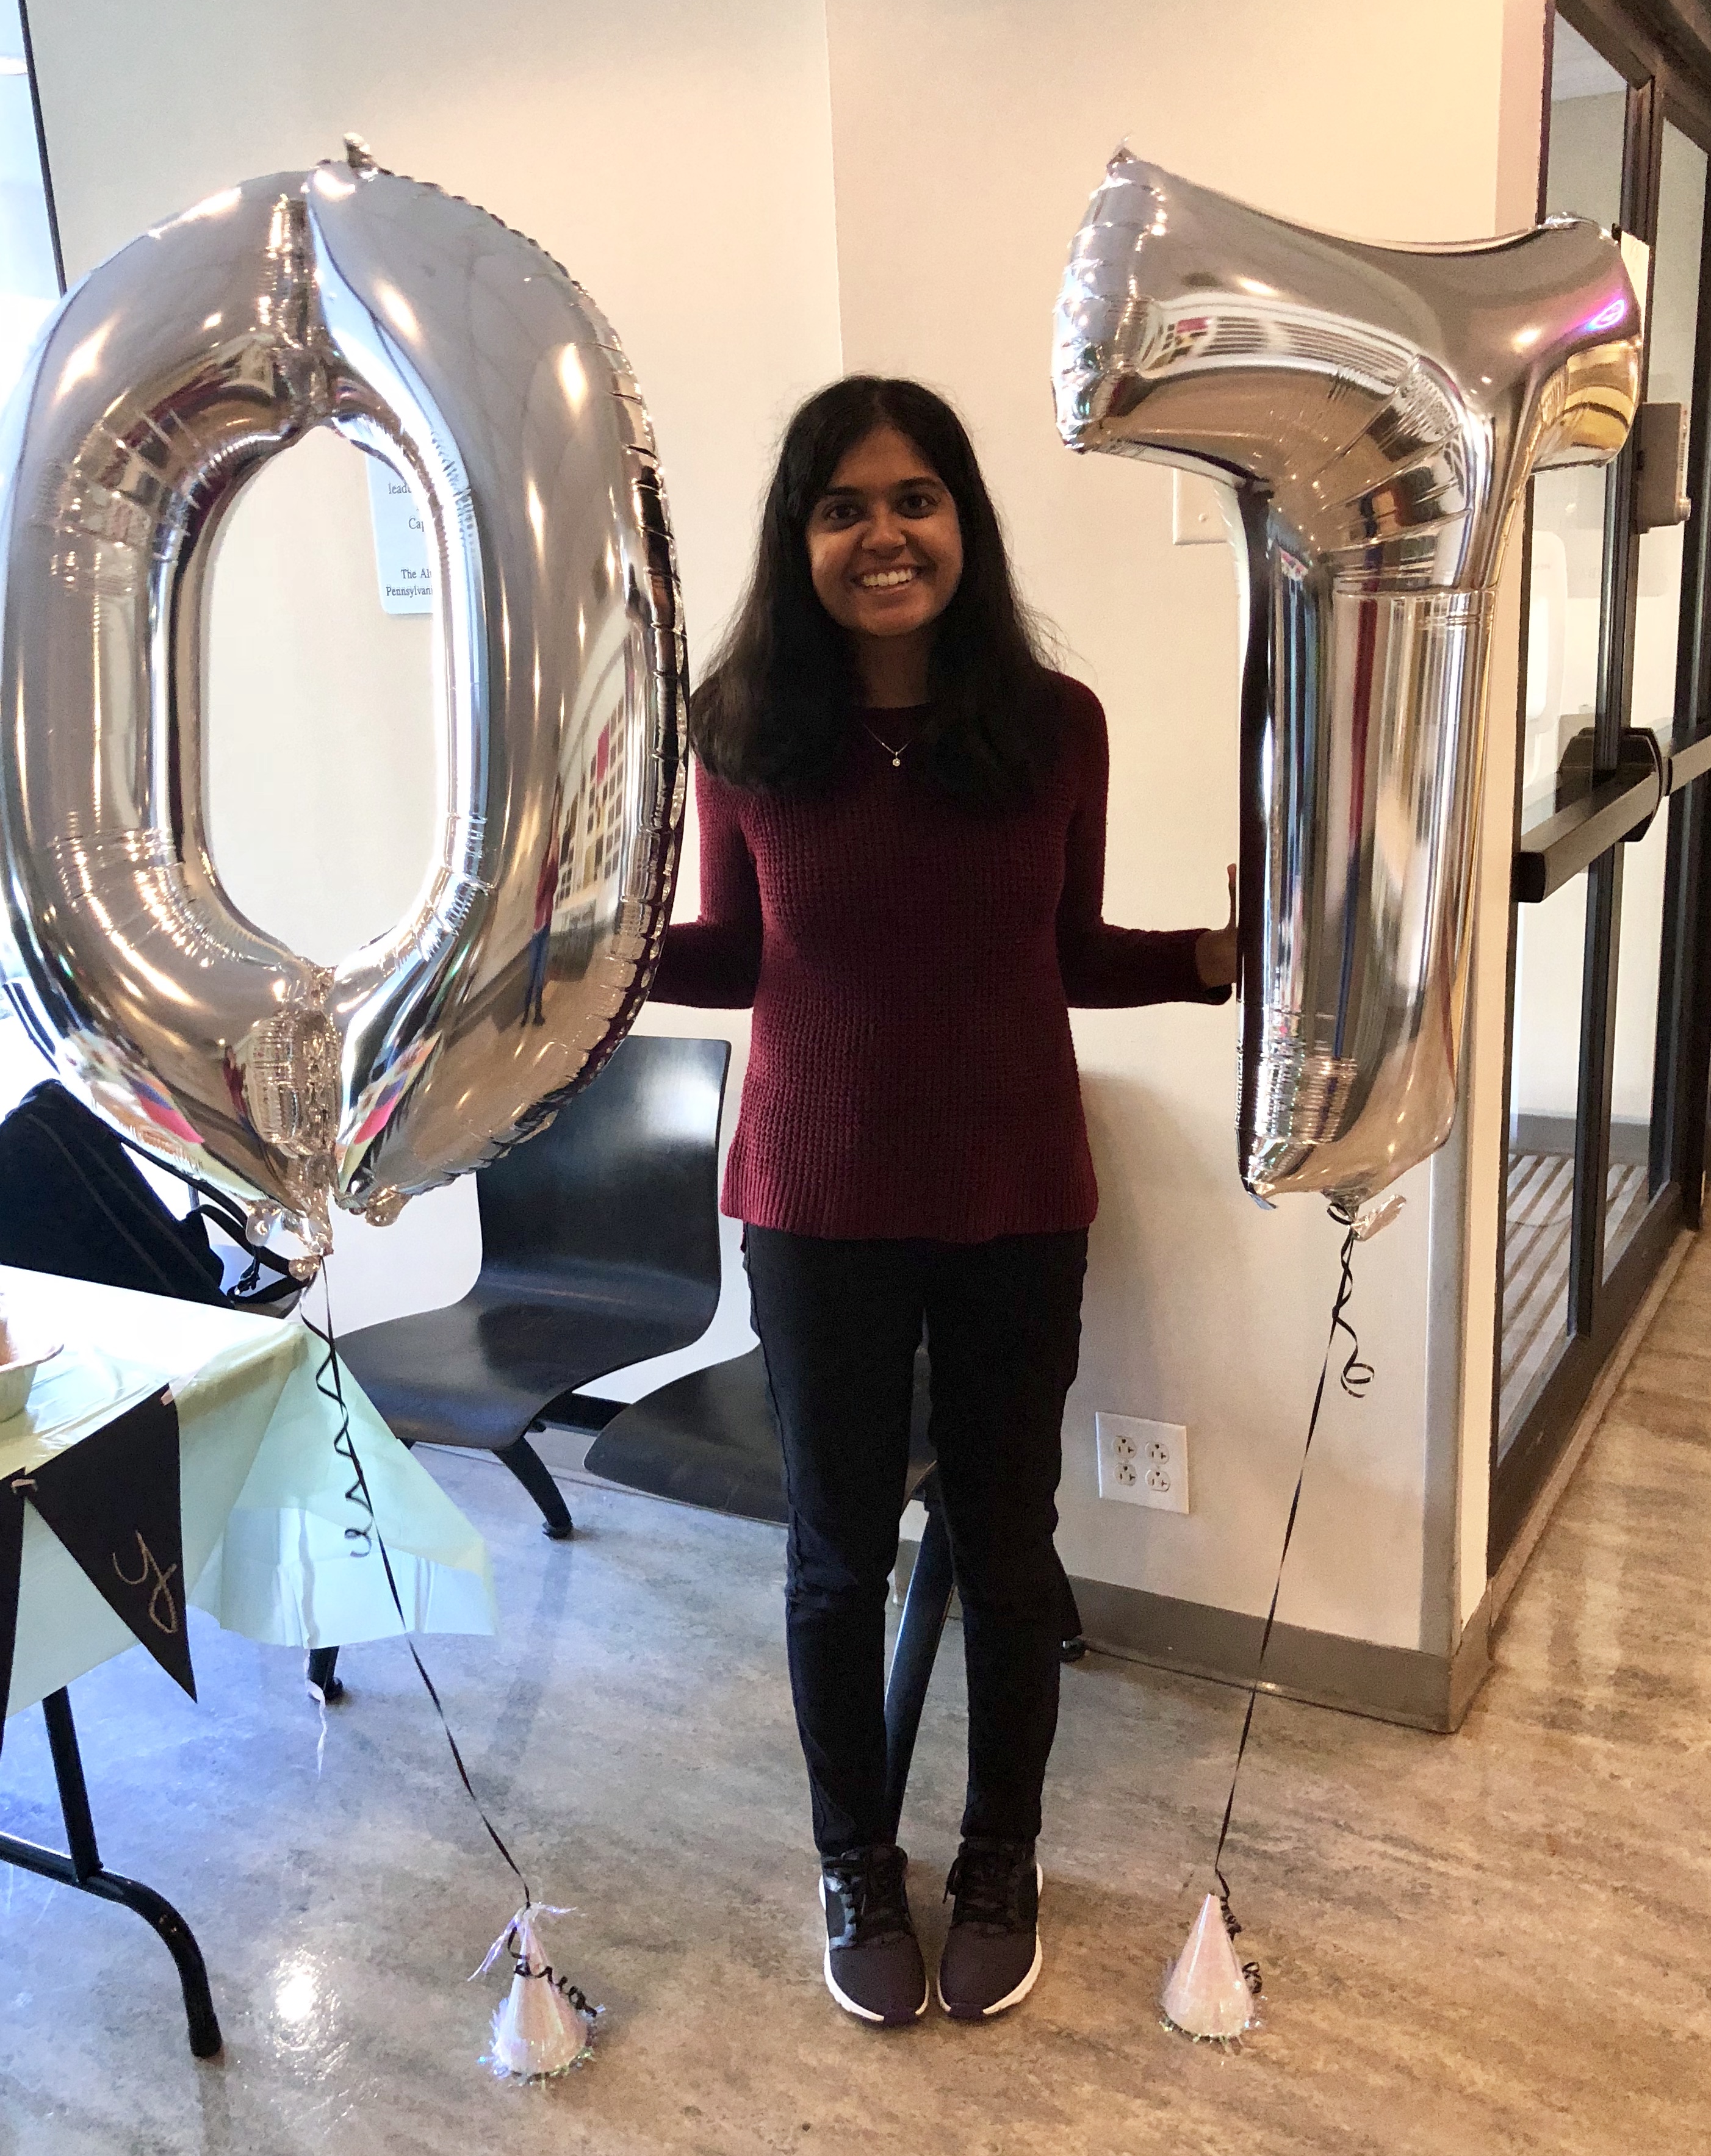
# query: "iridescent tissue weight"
(1378, 412)
(424, 331)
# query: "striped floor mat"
(1541, 1198)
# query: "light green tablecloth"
(263, 1493)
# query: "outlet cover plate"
(1142, 1462)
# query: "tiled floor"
(1474, 1946)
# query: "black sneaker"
(992, 1955)
(873, 1966)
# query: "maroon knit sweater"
(912, 962)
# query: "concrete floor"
(1492, 1942)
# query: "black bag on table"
(73, 1202)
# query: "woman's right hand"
(1215, 954)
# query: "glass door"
(30, 281)
(1640, 1166)
(1606, 1070)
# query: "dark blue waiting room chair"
(599, 1248)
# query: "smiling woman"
(902, 825)
(884, 550)
(881, 580)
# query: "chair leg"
(1074, 1646)
(925, 1608)
(522, 1458)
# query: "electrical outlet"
(1201, 511)
(1142, 1463)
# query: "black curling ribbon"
(10, 1560)
(329, 1380)
(1355, 1376)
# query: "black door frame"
(1667, 65)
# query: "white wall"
(677, 159)
(681, 160)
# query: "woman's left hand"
(1215, 954)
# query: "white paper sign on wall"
(400, 544)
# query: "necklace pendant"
(897, 763)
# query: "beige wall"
(760, 194)
(677, 158)
(954, 211)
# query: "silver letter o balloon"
(424, 331)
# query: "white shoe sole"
(1010, 1997)
(843, 1998)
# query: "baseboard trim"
(1470, 1666)
(1325, 1669)
(1322, 1669)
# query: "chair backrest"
(72, 1202)
(623, 1180)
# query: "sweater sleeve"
(715, 962)
(1103, 967)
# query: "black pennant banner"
(112, 1500)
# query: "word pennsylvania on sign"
(400, 543)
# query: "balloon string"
(343, 1443)
(371, 1538)
(1355, 1378)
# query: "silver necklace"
(897, 755)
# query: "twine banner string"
(1355, 1378)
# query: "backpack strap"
(218, 1208)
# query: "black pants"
(840, 1322)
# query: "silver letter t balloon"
(1378, 411)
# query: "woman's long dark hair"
(774, 713)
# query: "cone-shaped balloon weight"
(1205, 1993)
(537, 2031)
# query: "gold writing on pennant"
(161, 1589)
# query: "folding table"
(276, 1543)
